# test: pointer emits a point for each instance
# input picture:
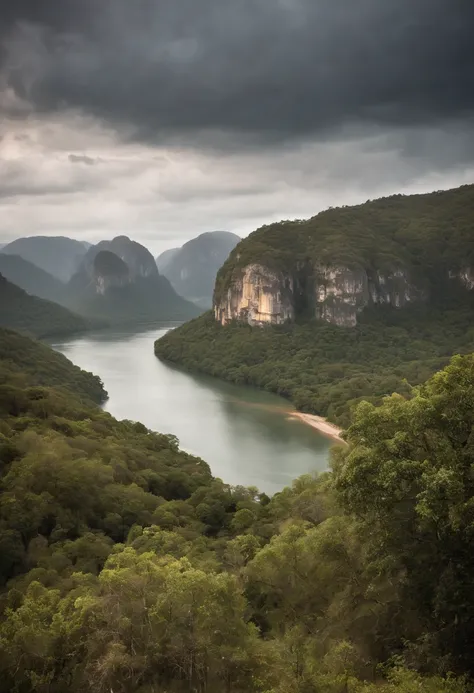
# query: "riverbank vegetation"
(28, 363)
(324, 369)
(126, 567)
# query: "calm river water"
(245, 435)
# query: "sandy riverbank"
(321, 424)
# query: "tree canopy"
(325, 369)
(126, 567)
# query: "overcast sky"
(162, 119)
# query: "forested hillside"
(126, 567)
(37, 317)
(324, 369)
(352, 304)
(31, 278)
(27, 363)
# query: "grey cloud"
(19, 179)
(162, 198)
(268, 70)
(83, 159)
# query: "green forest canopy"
(27, 363)
(127, 567)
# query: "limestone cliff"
(108, 271)
(259, 296)
(342, 293)
(335, 294)
(389, 252)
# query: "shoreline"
(321, 424)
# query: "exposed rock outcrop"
(465, 276)
(259, 297)
(336, 294)
(109, 270)
(393, 252)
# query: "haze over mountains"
(58, 255)
(32, 278)
(192, 269)
(119, 280)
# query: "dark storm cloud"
(269, 69)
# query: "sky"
(162, 119)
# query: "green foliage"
(324, 369)
(35, 316)
(408, 475)
(107, 263)
(25, 363)
(126, 567)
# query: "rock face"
(109, 270)
(192, 269)
(342, 293)
(390, 252)
(465, 276)
(260, 297)
(136, 261)
(335, 294)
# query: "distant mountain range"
(58, 255)
(192, 269)
(119, 280)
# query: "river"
(245, 435)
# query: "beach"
(321, 424)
